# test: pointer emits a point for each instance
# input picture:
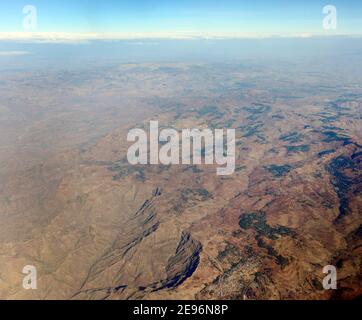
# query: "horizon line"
(75, 37)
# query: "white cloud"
(62, 37)
(13, 53)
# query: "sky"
(208, 17)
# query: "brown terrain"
(97, 227)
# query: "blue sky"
(263, 16)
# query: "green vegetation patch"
(206, 110)
(317, 284)
(195, 194)
(229, 251)
(257, 221)
(296, 149)
(331, 136)
(326, 152)
(341, 182)
(251, 130)
(193, 169)
(292, 137)
(123, 169)
(279, 259)
(257, 110)
(188, 198)
(279, 170)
